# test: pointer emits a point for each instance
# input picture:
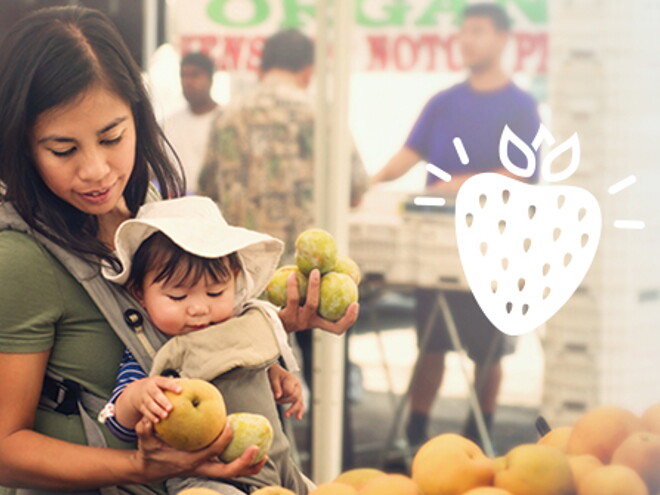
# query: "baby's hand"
(147, 397)
(287, 389)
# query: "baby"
(198, 279)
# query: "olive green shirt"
(42, 307)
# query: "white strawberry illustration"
(525, 249)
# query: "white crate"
(440, 267)
(373, 243)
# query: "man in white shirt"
(188, 129)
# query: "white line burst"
(429, 201)
(622, 184)
(438, 172)
(616, 188)
(629, 224)
(460, 150)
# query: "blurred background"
(593, 68)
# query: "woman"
(78, 143)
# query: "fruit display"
(198, 490)
(358, 478)
(273, 490)
(334, 488)
(316, 249)
(609, 451)
(390, 484)
(249, 429)
(534, 470)
(601, 431)
(451, 465)
(198, 416)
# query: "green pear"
(338, 291)
(249, 429)
(349, 267)
(197, 417)
(276, 289)
(316, 248)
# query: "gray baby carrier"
(126, 318)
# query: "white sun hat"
(196, 225)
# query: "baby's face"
(180, 310)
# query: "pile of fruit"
(340, 275)
(609, 451)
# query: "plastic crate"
(373, 244)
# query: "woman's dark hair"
(174, 265)
(289, 50)
(48, 59)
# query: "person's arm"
(359, 177)
(450, 189)
(287, 390)
(136, 395)
(30, 459)
(402, 161)
(207, 180)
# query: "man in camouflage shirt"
(260, 160)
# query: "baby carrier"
(126, 318)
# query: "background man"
(188, 129)
(260, 161)
(475, 110)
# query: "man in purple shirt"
(476, 110)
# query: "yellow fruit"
(612, 480)
(451, 465)
(198, 490)
(249, 429)
(651, 419)
(338, 292)
(349, 267)
(391, 484)
(198, 416)
(641, 452)
(488, 490)
(601, 431)
(557, 437)
(316, 249)
(581, 465)
(277, 289)
(357, 478)
(334, 489)
(273, 490)
(535, 470)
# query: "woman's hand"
(295, 317)
(156, 461)
(287, 389)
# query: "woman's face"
(85, 150)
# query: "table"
(416, 250)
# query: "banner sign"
(389, 35)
